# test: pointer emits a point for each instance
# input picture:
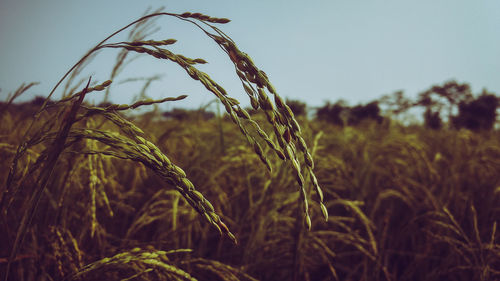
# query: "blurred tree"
(432, 119)
(370, 111)
(463, 110)
(477, 114)
(298, 108)
(185, 114)
(447, 96)
(332, 113)
(340, 113)
(396, 103)
(39, 100)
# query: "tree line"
(451, 104)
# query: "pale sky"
(314, 51)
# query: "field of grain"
(98, 193)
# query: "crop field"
(96, 192)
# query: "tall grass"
(91, 192)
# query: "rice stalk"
(128, 259)
(56, 149)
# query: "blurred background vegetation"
(427, 192)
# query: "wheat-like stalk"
(255, 82)
(130, 259)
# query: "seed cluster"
(286, 128)
(133, 146)
(153, 259)
(289, 143)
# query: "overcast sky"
(314, 51)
